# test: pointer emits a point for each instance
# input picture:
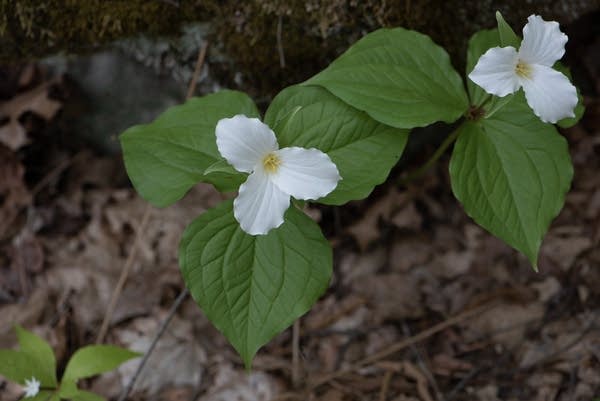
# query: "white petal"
(260, 205)
(244, 141)
(495, 71)
(305, 173)
(543, 42)
(550, 94)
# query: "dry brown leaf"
(505, 324)
(446, 365)
(563, 249)
(547, 384)
(236, 385)
(396, 207)
(36, 100)
(13, 192)
(26, 314)
(408, 253)
(392, 296)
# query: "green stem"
(438, 153)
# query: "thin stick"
(157, 336)
(423, 365)
(62, 166)
(296, 375)
(279, 42)
(197, 70)
(385, 385)
(114, 299)
(388, 351)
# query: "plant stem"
(159, 333)
(438, 153)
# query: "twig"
(403, 344)
(62, 166)
(385, 385)
(157, 336)
(423, 365)
(279, 42)
(296, 374)
(463, 382)
(197, 70)
(114, 299)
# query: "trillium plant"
(33, 367)
(256, 263)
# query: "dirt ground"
(424, 305)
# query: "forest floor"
(424, 305)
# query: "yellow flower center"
(271, 163)
(523, 69)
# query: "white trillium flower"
(503, 70)
(250, 146)
(32, 387)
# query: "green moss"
(33, 28)
(313, 32)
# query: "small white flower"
(250, 146)
(32, 387)
(503, 70)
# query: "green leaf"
(363, 150)
(87, 396)
(41, 352)
(42, 396)
(511, 172)
(508, 37)
(95, 359)
(399, 77)
(253, 287)
(165, 158)
(68, 388)
(224, 176)
(17, 366)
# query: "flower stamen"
(523, 69)
(271, 163)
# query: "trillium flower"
(32, 387)
(503, 70)
(250, 146)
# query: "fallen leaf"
(13, 193)
(237, 385)
(36, 100)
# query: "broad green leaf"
(228, 178)
(95, 359)
(41, 352)
(18, 366)
(68, 388)
(253, 287)
(43, 396)
(165, 158)
(399, 77)
(511, 172)
(87, 396)
(363, 150)
(508, 37)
